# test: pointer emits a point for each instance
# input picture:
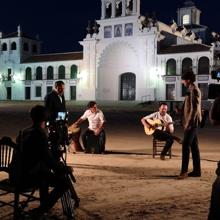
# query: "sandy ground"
(126, 183)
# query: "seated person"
(39, 168)
(165, 134)
(96, 125)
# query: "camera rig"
(58, 140)
(58, 134)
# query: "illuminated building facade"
(125, 56)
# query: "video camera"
(214, 89)
(58, 133)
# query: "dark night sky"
(62, 23)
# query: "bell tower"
(189, 17)
(119, 8)
(189, 14)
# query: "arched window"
(203, 68)
(73, 72)
(25, 47)
(50, 72)
(129, 7)
(39, 73)
(13, 46)
(34, 48)
(171, 67)
(108, 12)
(186, 65)
(28, 74)
(4, 47)
(118, 11)
(61, 72)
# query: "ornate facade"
(126, 56)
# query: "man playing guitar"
(161, 131)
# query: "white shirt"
(95, 118)
(165, 118)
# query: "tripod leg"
(68, 206)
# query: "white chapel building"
(125, 56)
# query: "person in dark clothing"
(214, 210)
(39, 168)
(191, 118)
(55, 101)
(55, 105)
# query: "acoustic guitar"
(154, 124)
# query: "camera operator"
(55, 101)
(38, 167)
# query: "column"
(123, 7)
(103, 9)
(134, 7)
(113, 8)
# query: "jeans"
(101, 137)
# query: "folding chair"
(158, 146)
(7, 150)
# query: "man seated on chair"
(96, 121)
(39, 168)
(165, 133)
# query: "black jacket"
(54, 105)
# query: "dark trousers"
(43, 180)
(164, 136)
(190, 142)
(214, 210)
(59, 184)
(101, 137)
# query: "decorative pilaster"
(134, 7)
(123, 7)
(103, 9)
(113, 8)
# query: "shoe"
(194, 174)
(182, 176)
(162, 157)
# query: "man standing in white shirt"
(96, 121)
(166, 133)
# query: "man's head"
(59, 86)
(163, 108)
(92, 106)
(188, 78)
(38, 114)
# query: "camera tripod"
(69, 199)
(58, 140)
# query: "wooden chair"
(7, 151)
(158, 146)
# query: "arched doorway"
(128, 86)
